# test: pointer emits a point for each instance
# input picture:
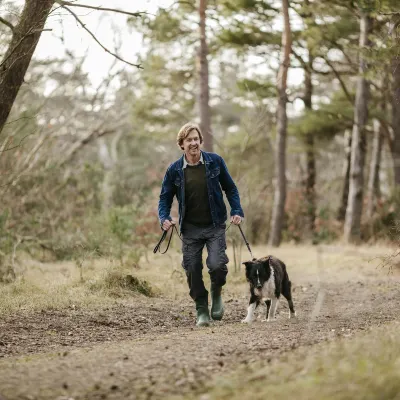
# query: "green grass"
(98, 282)
(366, 367)
(49, 289)
(29, 297)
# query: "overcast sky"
(103, 25)
(107, 26)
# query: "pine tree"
(280, 149)
(352, 227)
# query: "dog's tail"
(285, 274)
(287, 284)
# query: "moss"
(116, 283)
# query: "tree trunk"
(352, 231)
(346, 177)
(16, 60)
(109, 158)
(373, 189)
(395, 143)
(280, 150)
(310, 154)
(204, 97)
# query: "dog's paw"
(246, 321)
(293, 318)
(270, 320)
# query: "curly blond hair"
(185, 131)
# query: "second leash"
(164, 235)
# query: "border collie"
(268, 279)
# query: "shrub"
(116, 283)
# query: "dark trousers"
(194, 240)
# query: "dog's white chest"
(268, 289)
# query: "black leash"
(247, 243)
(164, 235)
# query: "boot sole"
(203, 324)
(217, 317)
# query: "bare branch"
(342, 49)
(19, 119)
(30, 32)
(21, 239)
(304, 65)
(342, 84)
(386, 130)
(189, 3)
(68, 3)
(25, 165)
(3, 150)
(79, 144)
(9, 24)
(97, 41)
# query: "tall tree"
(310, 154)
(395, 142)
(26, 35)
(204, 92)
(309, 184)
(359, 140)
(341, 213)
(280, 149)
(373, 188)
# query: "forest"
(304, 107)
(301, 98)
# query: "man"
(196, 179)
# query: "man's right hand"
(167, 224)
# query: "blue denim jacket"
(217, 177)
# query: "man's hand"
(167, 224)
(236, 219)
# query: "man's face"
(191, 145)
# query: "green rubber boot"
(217, 306)
(203, 315)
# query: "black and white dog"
(268, 279)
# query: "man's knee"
(218, 261)
(218, 274)
(217, 267)
(192, 264)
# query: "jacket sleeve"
(230, 189)
(166, 197)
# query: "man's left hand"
(236, 219)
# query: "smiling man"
(197, 180)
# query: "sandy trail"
(149, 349)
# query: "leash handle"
(247, 243)
(163, 236)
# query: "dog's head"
(258, 272)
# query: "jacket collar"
(206, 160)
(185, 163)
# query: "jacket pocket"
(214, 173)
(177, 182)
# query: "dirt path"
(150, 349)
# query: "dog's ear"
(266, 263)
(247, 264)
